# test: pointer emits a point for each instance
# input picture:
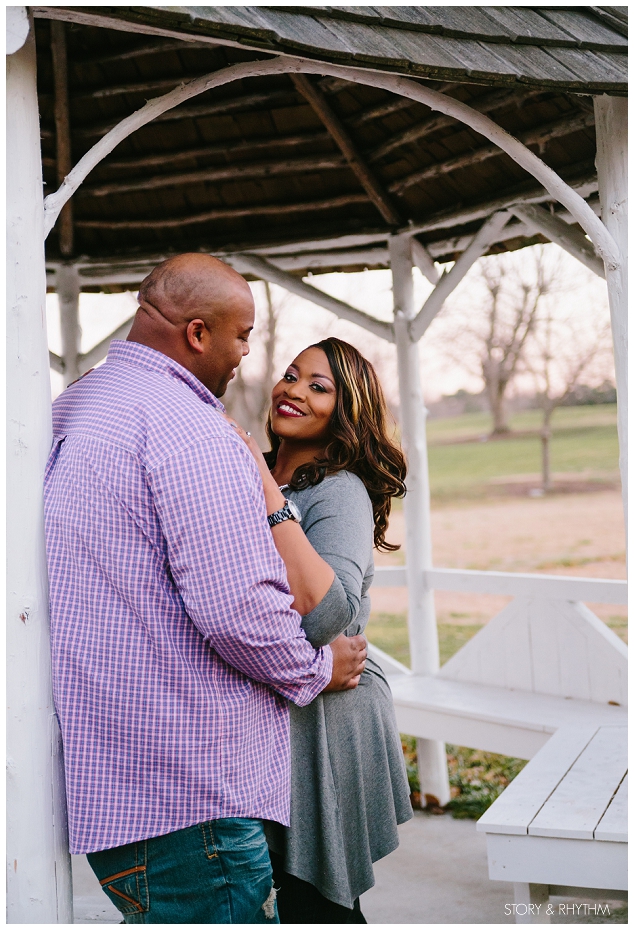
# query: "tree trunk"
(545, 437)
(499, 413)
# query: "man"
(175, 647)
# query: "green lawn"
(463, 464)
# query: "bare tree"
(514, 299)
(493, 334)
(562, 352)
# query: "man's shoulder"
(137, 408)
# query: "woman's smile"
(286, 409)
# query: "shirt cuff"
(309, 691)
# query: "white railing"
(551, 587)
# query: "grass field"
(464, 463)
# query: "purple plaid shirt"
(174, 643)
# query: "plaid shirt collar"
(140, 356)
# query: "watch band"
(284, 513)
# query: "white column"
(38, 867)
(67, 287)
(611, 128)
(423, 634)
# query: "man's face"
(227, 343)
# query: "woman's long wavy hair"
(359, 437)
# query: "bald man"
(175, 646)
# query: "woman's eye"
(289, 377)
(318, 387)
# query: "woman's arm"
(309, 576)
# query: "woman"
(332, 459)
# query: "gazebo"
(285, 140)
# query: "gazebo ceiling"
(255, 164)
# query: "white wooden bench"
(544, 662)
(544, 680)
(560, 828)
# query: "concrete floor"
(438, 875)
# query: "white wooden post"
(611, 128)
(67, 286)
(423, 634)
(38, 867)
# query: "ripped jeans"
(218, 872)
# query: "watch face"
(294, 509)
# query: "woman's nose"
(294, 389)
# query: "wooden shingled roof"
(252, 165)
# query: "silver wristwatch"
(289, 511)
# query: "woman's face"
(304, 400)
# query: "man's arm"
(228, 573)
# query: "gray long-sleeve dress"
(349, 785)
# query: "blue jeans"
(218, 872)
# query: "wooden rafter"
(261, 169)
(485, 104)
(224, 148)
(64, 161)
(557, 230)
(370, 183)
(153, 48)
(489, 232)
(222, 213)
(267, 271)
(538, 135)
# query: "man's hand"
(349, 654)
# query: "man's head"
(198, 311)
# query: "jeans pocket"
(122, 874)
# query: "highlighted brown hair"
(360, 442)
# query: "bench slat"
(579, 801)
(613, 825)
(521, 801)
(525, 709)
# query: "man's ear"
(196, 332)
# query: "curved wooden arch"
(576, 205)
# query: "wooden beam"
(484, 104)
(261, 169)
(557, 230)
(68, 292)
(611, 116)
(424, 262)
(154, 48)
(372, 186)
(223, 148)
(56, 363)
(267, 271)
(223, 213)
(62, 129)
(583, 181)
(488, 233)
(139, 87)
(539, 135)
(197, 110)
